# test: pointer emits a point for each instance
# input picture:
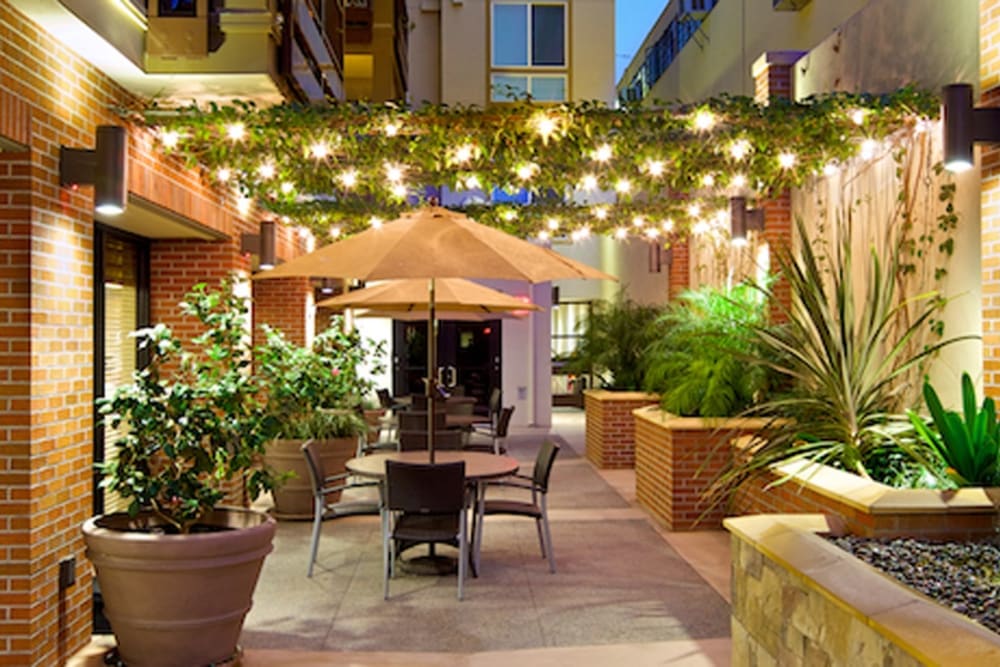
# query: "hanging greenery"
(587, 169)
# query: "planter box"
(610, 426)
(871, 509)
(799, 600)
(676, 459)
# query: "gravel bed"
(964, 576)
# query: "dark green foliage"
(701, 363)
(614, 342)
(968, 443)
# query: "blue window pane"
(500, 196)
(549, 88)
(508, 87)
(510, 35)
(548, 38)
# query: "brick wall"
(282, 303)
(50, 98)
(676, 459)
(989, 81)
(610, 426)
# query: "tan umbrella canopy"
(432, 243)
(410, 295)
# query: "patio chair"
(424, 503)
(496, 433)
(323, 486)
(538, 485)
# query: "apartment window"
(528, 49)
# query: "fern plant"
(700, 365)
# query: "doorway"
(468, 358)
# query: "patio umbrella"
(432, 243)
(410, 295)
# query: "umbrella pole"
(431, 368)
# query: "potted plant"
(178, 569)
(312, 392)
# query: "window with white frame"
(529, 50)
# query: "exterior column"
(285, 304)
(773, 78)
(989, 83)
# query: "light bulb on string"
(868, 148)
(830, 168)
(509, 215)
(857, 116)
(398, 190)
(170, 138)
(600, 212)
(786, 160)
(464, 153)
(335, 232)
(319, 150)
(623, 186)
(552, 224)
(348, 178)
(739, 149)
(638, 221)
(526, 171)
(266, 171)
(602, 153)
(655, 168)
(287, 188)
(739, 181)
(708, 181)
(704, 120)
(391, 129)
(667, 226)
(543, 235)
(375, 222)
(223, 174)
(472, 182)
(236, 131)
(652, 233)
(545, 126)
(694, 210)
(393, 173)
(589, 182)
(621, 233)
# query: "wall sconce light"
(105, 167)
(328, 286)
(742, 219)
(263, 245)
(964, 125)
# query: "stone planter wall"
(610, 426)
(871, 509)
(799, 600)
(676, 459)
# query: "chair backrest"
(543, 465)
(416, 420)
(503, 421)
(417, 439)
(384, 398)
(314, 463)
(427, 488)
(494, 402)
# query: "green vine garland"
(330, 168)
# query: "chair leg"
(477, 523)
(541, 535)
(463, 552)
(548, 538)
(317, 524)
(386, 555)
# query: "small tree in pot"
(194, 431)
(313, 393)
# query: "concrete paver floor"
(625, 592)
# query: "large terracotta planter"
(178, 600)
(294, 499)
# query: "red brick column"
(610, 432)
(680, 268)
(773, 78)
(676, 459)
(283, 303)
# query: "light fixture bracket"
(105, 167)
(742, 219)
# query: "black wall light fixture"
(964, 125)
(742, 219)
(105, 167)
(263, 245)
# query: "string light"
(394, 173)
(739, 181)
(509, 215)
(543, 235)
(472, 182)
(704, 120)
(621, 233)
(526, 171)
(708, 180)
(552, 224)
(652, 232)
(398, 190)
(348, 178)
(375, 222)
(739, 149)
(693, 210)
(243, 205)
(236, 131)
(700, 228)
(830, 168)
(655, 168)
(603, 153)
(667, 226)
(638, 221)
(170, 138)
(319, 150)
(858, 116)
(266, 171)
(287, 187)
(786, 160)
(335, 232)
(223, 175)
(600, 212)
(464, 153)
(623, 186)
(545, 126)
(580, 234)
(589, 182)
(391, 129)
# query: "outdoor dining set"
(433, 484)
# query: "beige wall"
(718, 59)
(449, 50)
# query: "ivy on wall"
(656, 173)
